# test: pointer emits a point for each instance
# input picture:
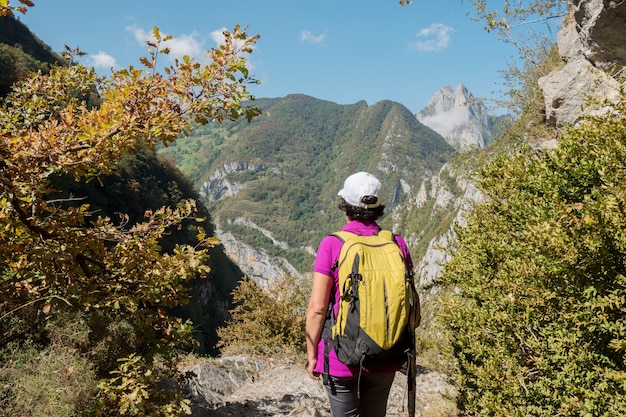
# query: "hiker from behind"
(358, 386)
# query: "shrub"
(264, 322)
(57, 381)
(537, 324)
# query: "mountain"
(271, 184)
(458, 116)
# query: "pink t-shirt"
(327, 255)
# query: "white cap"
(359, 185)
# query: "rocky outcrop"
(601, 29)
(592, 42)
(213, 383)
(460, 118)
(256, 263)
(218, 185)
(437, 255)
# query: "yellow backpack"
(379, 306)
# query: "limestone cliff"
(592, 43)
(256, 263)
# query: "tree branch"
(25, 220)
(33, 302)
(542, 19)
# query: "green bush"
(537, 320)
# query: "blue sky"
(337, 50)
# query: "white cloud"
(140, 35)
(185, 45)
(308, 36)
(179, 46)
(433, 38)
(218, 36)
(444, 123)
(102, 60)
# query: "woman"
(351, 393)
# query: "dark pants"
(349, 398)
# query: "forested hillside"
(281, 172)
(20, 53)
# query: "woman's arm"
(315, 316)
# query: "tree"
(537, 318)
(511, 15)
(57, 258)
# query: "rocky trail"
(244, 387)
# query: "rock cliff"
(592, 43)
(437, 254)
(256, 263)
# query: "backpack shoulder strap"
(342, 235)
(387, 234)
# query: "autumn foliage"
(61, 262)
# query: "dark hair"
(360, 213)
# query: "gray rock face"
(237, 386)
(460, 118)
(592, 42)
(256, 263)
(437, 255)
(601, 27)
(218, 186)
(213, 384)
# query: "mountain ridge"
(281, 172)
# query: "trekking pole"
(414, 322)
(412, 384)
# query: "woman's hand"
(310, 368)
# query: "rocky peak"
(460, 118)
